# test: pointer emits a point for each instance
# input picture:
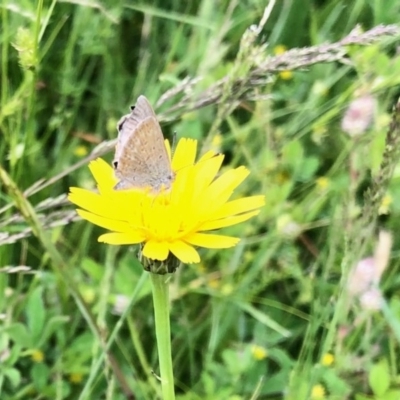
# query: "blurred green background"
(280, 316)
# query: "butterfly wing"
(128, 123)
(143, 159)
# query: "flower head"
(25, 45)
(280, 49)
(171, 221)
(318, 392)
(359, 115)
(37, 355)
(286, 75)
(80, 151)
(75, 377)
(327, 359)
(259, 352)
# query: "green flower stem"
(163, 333)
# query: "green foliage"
(68, 71)
(380, 383)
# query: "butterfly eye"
(115, 164)
(132, 108)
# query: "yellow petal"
(220, 191)
(212, 241)
(110, 224)
(83, 198)
(206, 171)
(185, 154)
(104, 205)
(209, 154)
(156, 250)
(229, 180)
(228, 221)
(184, 252)
(239, 206)
(103, 175)
(121, 238)
(91, 201)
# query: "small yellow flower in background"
(327, 359)
(227, 289)
(286, 75)
(385, 204)
(259, 352)
(322, 183)
(214, 283)
(75, 377)
(88, 294)
(80, 151)
(216, 143)
(280, 49)
(201, 268)
(317, 392)
(174, 221)
(37, 355)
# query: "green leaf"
(391, 395)
(13, 375)
(93, 269)
(379, 378)
(308, 169)
(52, 325)
(15, 355)
(19, 334)
(40, 375)
(263, 318)
(362, 397)
(335, 384)
(36, 314)
(293, 154)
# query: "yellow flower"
(173, 221)
(80, 151)
(322, 183)
(227, 289)
(259, 352)
(317, 392)
(286, 75)
(327, 359)
(216, 143)
(88, 294)
(385, 204)
(37, 355)
(75, 377)
(214, 283)
(279, 49)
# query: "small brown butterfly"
(141, 159)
